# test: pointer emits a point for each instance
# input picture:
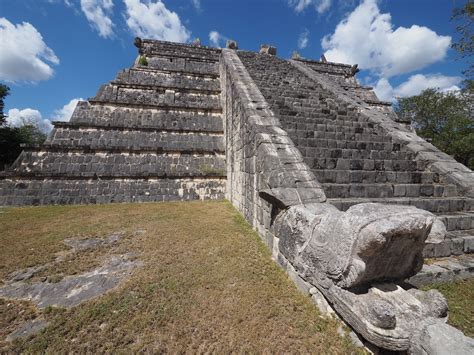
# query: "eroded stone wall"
(155, 133)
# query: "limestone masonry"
(348, 199)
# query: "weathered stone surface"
(367, 243)
(72, 290)
(84, 191)
(440, 339)
(25, 274)
(443, 271)
(28, 328)
(341, 253)
(437, 233)
(268, 49)
(155, 133)
(92, 243)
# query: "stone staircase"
(155, 133)
(352, 158)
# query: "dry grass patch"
(207, 283)
(460, 297)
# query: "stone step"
(175, 64)
(458, 245)
(337, 128)
(308, 102)
(340, 136)
(181, 72)
(114, 87)
(433, 204)
(335, 176)
(340, 153)
(336, 144)
(388, 190)
(175, 50)
(458, 221)
(453, 234)
(444, 270)
(302, 93)
(177, 80)
(107, 164)
(171, 128)
(368, 165)
(195, 55)
(156, 118)
(159, 99)
(48, 192)
(108, 139)
(299, 121)
(319, 115)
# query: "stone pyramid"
(153, 134)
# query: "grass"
(207, 284)
(460, 297)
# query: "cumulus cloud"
(415, 85)
(303, 39)
(367, 37)
(98, 13)
(320, 6)
(29, 116)
(65, 112)
(149, 19)
(215, 38)
(23, 54)
(18, 118)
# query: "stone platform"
(154, 133)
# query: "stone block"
(231, 44)
(437, 250)
(457, 246)
(469, 244)
(268, 49)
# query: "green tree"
(464, 17)
(4, 92)
(445, 119)
(11, 138)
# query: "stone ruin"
(348, 198)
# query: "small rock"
(26, 329)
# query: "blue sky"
(53, 52)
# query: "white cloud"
(153, 20)
(320, 6)
(68, 3)
(303, 39)
(215, 38)
(98, 13)
(384, 90)
(197, 4)
(367, 37)
(23, 54)
(18, 118)
(65, 113)
(415, 85)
